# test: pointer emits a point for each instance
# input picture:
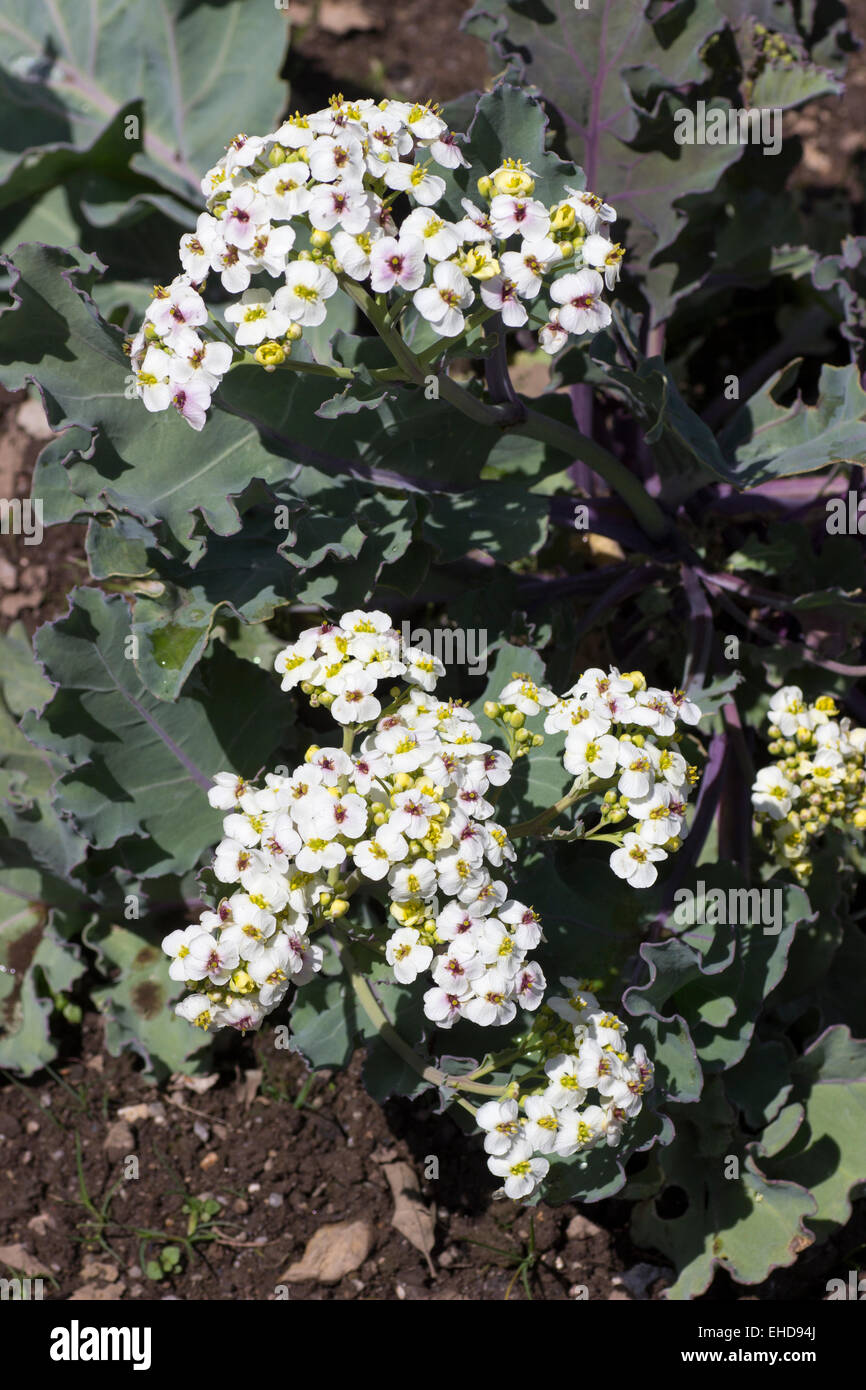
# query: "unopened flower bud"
(270, 355)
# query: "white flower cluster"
(409, 810)
(314, 201)
(622, 732)
(587, 1053)
(820, 776)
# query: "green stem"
(413, 370)
(570, 441)
(321, 369)
(535, 425)
(537, 823)
(370, 1004)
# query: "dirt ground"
(237, 1171)
(261, 1155)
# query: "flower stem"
(537, 823)
(372, 1008)
(413, 370)
(577, 446)
(535, 425)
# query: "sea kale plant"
(464, 488)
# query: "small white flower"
(197, 1009)
(242, 151)
(542, 1123)
(442, 1008)
(443, 302)
(153, 379)
(604, 256)
(191, 400)
(493, 1005)
(284, 190)
(438, 238)
(500, 294)
(635, 861)
(270, 249)
(563, 1088)
(476, 225)
(660, 814)
(396, 262)
(788, 711)
(586, 751)
(590, 208)
(528, 266)
(337, 157)
(522, 1172)
(177, 945)
(258, 318)
(579, 1129)
(375, 857)
(581, 308)
(526, 696)
(339, 203)
(244, 211)
(529, 985)
(415, 880)
(356, 703)
(552, 336)
(773, 793)
(526, 217)
(176, 308)
(302, 298)
(500, 1121)
(425, 188)
(407, 955)
(211, 959)
(196, 248)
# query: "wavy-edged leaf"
(142, 767)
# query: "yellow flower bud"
(294, 332)
(562, 218)
(859, 818)
(492, 709)
(485, 186)
(277, 156)
(320, 238)
(242, 983)
(339, 907)
(637, 678)
(514, 181)
(516, 718)
(270, 355)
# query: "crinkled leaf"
(142, 767)
(766, 440)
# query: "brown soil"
(281, 1161)
(284, 1153)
